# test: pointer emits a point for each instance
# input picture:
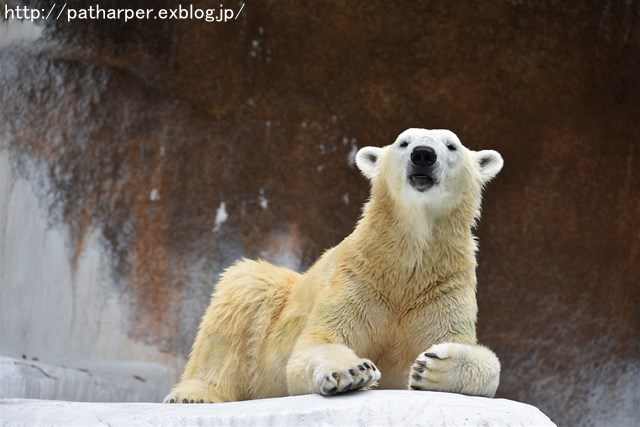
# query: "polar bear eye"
(403, 144)
(452, 147)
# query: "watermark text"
(60, 11)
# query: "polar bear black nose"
(423, 156)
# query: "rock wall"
(139, 159)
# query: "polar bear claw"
(192, 391)
(364, 376)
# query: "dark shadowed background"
(149, 155)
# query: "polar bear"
(392, 306)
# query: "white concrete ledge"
(87, 381)
(365, 408)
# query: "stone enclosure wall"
(139, 159)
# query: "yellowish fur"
(385, 307)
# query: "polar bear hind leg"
(248, 298)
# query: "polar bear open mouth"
(421, 182)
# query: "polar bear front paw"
(457, 368)
(438, 368)
(363, 376)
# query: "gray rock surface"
(85, 381)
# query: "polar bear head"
(429, 169)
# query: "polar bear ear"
(367, 160)
(490, 162)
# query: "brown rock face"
(189, 144)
